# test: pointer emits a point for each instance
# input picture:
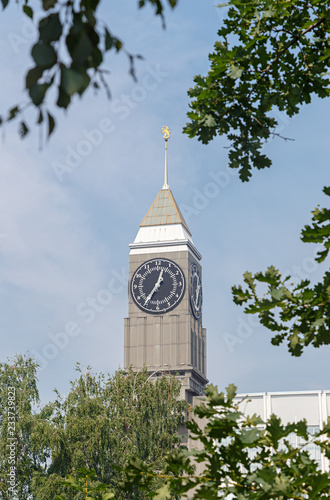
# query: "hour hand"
(157, 285)
(160, 279)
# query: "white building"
(313, 406)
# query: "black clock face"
(196, 295)
(158, 286)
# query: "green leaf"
(80, 46)
(234, 416)
(326, 55)
(40, 117)
(267, 13)
(235, 72)
(37, 92)
(33, 75)
(108, 40)
(281, 484)
(23, 130)
(73, 82)
(249, 279)
(209, 121)
(163, 493)
(50, 28)
(63, 99)
(249, 436)
(13, 112)
(118, 44)
(318, 322)
(231, 392)
(51, 124)
(28, 11)
(48, 4)
(72, 483)
(278, 294)
(44, 55)
(274, 429)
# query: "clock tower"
(164, 329)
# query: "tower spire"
(166, 135)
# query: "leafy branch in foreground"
(271, 56)
(69, 55)
(242, 456)
(85, 483)
(319, 232)
(300, 313)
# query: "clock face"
(158, 286)
(196, 295)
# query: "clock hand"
(151, 293)
(157, 285)
(160, 278)
(198, 288)
(197, 294)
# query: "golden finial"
(166, 133)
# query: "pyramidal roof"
(164, 211)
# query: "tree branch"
(281, 52)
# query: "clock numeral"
(135, 286)
(157, 308)
(138, 275)
(180, 283)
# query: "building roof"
(164, 211)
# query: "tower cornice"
(163, 246)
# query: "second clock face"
(196, 295)
(158, 286)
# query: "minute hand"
(197, 294)
(157, 285)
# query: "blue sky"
(64, 237)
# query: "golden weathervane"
(166, 133)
